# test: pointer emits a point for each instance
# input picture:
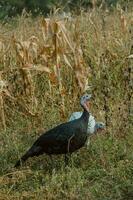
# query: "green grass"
(101, 172)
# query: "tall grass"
(45, 65)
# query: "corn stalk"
(2, 88)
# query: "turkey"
(64, 138)
(93, 126)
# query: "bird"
(93, 126)
(99, 126)
(65, 138)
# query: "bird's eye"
(87, 96)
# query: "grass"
(104, 171)
(32, 101)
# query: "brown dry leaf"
(64, 36)
(46, 53)
(130, 56)
(53, 78)
(28, 66)
(67, 61)
(56, 27)
(38, 67)
(3, 85)
(81, 80)
(46, 29)
(42, 68)
(63, 91)
(123, 21)
(26, 44)
(34, 39)
(1, 46)
(27, 50)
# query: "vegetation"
(10, 8)
(45, 65)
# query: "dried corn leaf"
(66, 60)
(2, 46)
(130, 56)
(38, 67)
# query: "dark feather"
(64, 138)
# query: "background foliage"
(9, 8)
(45, 66)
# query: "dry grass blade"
(38, 67)
(130, 56)
(3, 86)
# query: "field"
(45, 66)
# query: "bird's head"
(85, 101)
(99, 126)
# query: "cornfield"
(73, 55)
(47, 63)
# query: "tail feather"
(22, 160)
(17, 163)
(33, 151)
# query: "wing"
(75, 115)
(60, 134)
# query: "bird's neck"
(85, 115)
